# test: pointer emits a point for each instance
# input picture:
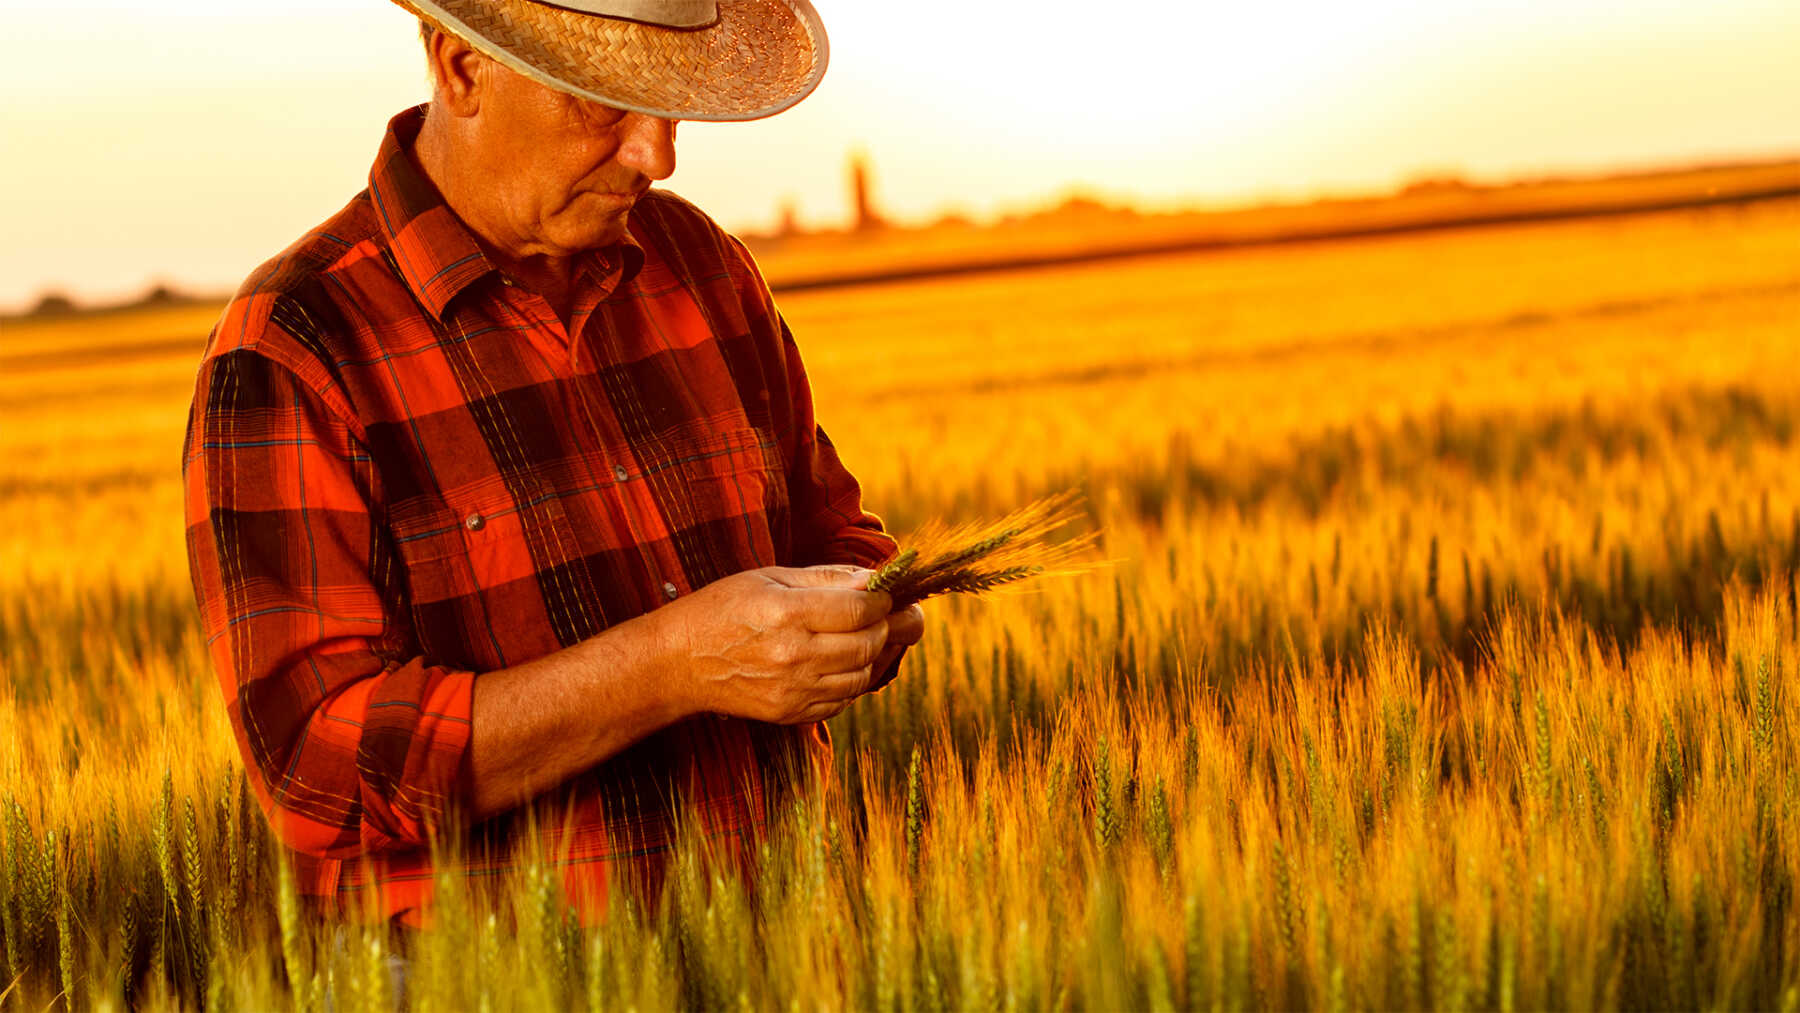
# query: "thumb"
(854, 578)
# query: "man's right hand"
(779, 644)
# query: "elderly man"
(504, 483)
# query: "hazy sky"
(189, 141)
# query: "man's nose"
(647, 144)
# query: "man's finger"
(824, 710)
(906, 626)
(837, 609)
(846, 686)
(832, 653)
(820, 576)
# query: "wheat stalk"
(12, 901)
(65, 936)
(915, 813)
(128, 946)
(191, 875)
(162, 831)
(287, 916)
(974, 558)
(1106, 816)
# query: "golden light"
(191, 141)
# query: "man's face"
(565, 172)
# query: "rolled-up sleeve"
(355, 744)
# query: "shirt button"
(619, 472)
(474, 522)
(671, 590)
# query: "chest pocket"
(720, 489)
(474, 561)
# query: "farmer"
(504, 483)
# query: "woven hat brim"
(759, 58)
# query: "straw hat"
(679, 59)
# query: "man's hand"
(778, 645)
(786, 645)
(905, 628)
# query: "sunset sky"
(187, 142)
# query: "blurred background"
(181, 144)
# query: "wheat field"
(1443, 657)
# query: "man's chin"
(606, 230)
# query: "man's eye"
(599, 115)
(590, 114)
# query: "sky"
(184, 143)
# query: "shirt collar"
(436, 254)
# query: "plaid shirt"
(402, 471)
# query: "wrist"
(667, 664)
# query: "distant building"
(867, 218)
(789, 223)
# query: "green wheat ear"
(893, 570)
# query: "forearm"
(779, 645)
(784, 646)
(537, 724)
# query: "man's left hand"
(905, 628)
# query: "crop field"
(1443, 656)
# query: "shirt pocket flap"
(470, 540)
(721, 473)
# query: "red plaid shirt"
(402, 471)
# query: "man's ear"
(459, 74)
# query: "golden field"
(1445, 658)
(1083, 226)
